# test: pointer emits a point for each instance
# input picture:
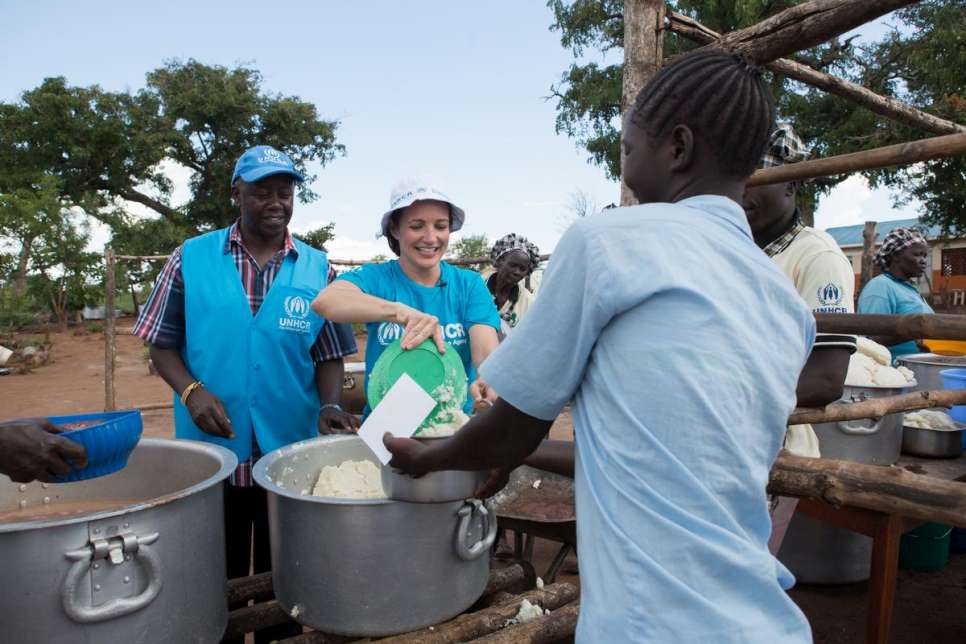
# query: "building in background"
(944, 285)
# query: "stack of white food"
(350, 480)
(930, 419)
(871, 366)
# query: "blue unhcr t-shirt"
(886, 295)
(460, 300)
(681, 344)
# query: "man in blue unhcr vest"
(252, 367)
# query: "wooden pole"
(643, 54)
(258, 587)
(879, 407)
(803, 26)
(938, 326)
(900, 154)
(110, 350)
(868, 251)
(891, 490)
(559, 625)
(470, 626)
(882, 105)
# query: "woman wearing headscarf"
(903, 257)
(418, 296)
(513, 260)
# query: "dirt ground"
(929, 607)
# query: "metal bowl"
(933, 443)
(434, 487)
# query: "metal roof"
(852, 235)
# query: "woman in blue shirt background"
(418, 296)
(903, 256)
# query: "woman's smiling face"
(423, 233)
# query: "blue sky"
(452, 90)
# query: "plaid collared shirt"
(162, 321)
(785, 238)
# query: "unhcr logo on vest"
(296, 310)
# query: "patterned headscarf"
(512, 242)
(784, 147)
(896, 241)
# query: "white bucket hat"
(409, 191)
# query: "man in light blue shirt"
(681, 344)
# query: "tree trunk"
(20, 275)
(892, 490)
(643, 55)
(803, 26)
(883, 105)
(937, 147)
(110, 350)
(919, 325)
(868, 250)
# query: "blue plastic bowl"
(108, 442)
(956, 379)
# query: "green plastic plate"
(426, 366)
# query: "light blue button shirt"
(680, 343)
(886, 295)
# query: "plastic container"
(956, 379)
(109, 441)
(926, 548)
(946, 347)
(424, 364)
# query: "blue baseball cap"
(263, 161)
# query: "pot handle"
(859, 427)
(475, 506)
(139, 548)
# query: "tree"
(107, 147)
(27, 214)
(318, 237)
(63, 273)
(923, 61)
(143, 237)
(470, 247)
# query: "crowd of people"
(652, 321)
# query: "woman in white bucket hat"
(418, 295)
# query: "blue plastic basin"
(108, 442)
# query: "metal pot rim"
(228, 463)
(926, 358)
(260, 474)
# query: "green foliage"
(470, 247)
(318, 236)
(144, 237)
(63, 274)
(16, 311)
(922, 61)
(108, 146)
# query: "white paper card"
(400, 412)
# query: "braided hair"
(720, 96)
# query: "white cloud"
(348, 248)
(854, 202)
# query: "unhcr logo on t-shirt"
(389, 332)
(296, 310)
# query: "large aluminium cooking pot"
(867, 441)
(819, 553)
(147, 567)
(927, 366)
(368, 567)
